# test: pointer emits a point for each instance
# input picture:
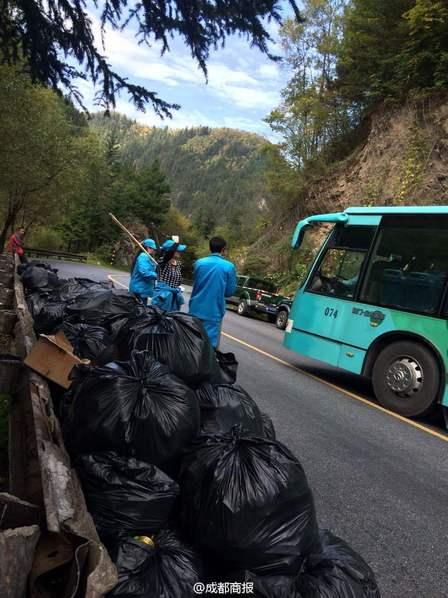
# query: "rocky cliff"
(402, 160)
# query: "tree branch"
(45, 35)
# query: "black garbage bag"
(90, 342)
(336, 570)
(268, 426)
(21, 268)
(64, 407)
(228, 366)
(224, 406)
(276, 587)
(42, 265)
(104, 307)
(73, 287)
(137, 408)
(245, 501)
(47, 315)
(177, 340)
(167, 568)
(36, 301)
(269, 586)
(124, 495)
(36, 277)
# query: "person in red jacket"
(16, 244)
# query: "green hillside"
(216, 176)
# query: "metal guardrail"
(65, 255)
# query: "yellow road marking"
(352, 395)
(110, 277)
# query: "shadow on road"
(362, 386)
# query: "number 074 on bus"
(375, 302)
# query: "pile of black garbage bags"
(189, 489)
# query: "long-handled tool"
(131, 236)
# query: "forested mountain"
(216, 176)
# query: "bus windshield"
(341, 264)
(307, 252)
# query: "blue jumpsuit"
(167, 298)
(143, 277)
(214, 279)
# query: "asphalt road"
(379, 483)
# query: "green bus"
(375, 302)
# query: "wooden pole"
(131, 236)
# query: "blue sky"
(243, 84)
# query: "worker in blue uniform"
(214, 279)
(144, 272)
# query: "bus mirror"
(304, 224)
(299, 233)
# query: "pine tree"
(425, 53)
(152, 201)
(369, 61)
(53, 36)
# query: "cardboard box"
(53, 358)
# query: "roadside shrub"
(45, 238)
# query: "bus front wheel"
(406, 378)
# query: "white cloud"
(248, 97)
(246, 124)
(269, 71)
(87, 90)
(145, 61)
(147, 64)
(240, 81)
(220, 73)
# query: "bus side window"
(408, 269)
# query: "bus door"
(324, 325)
